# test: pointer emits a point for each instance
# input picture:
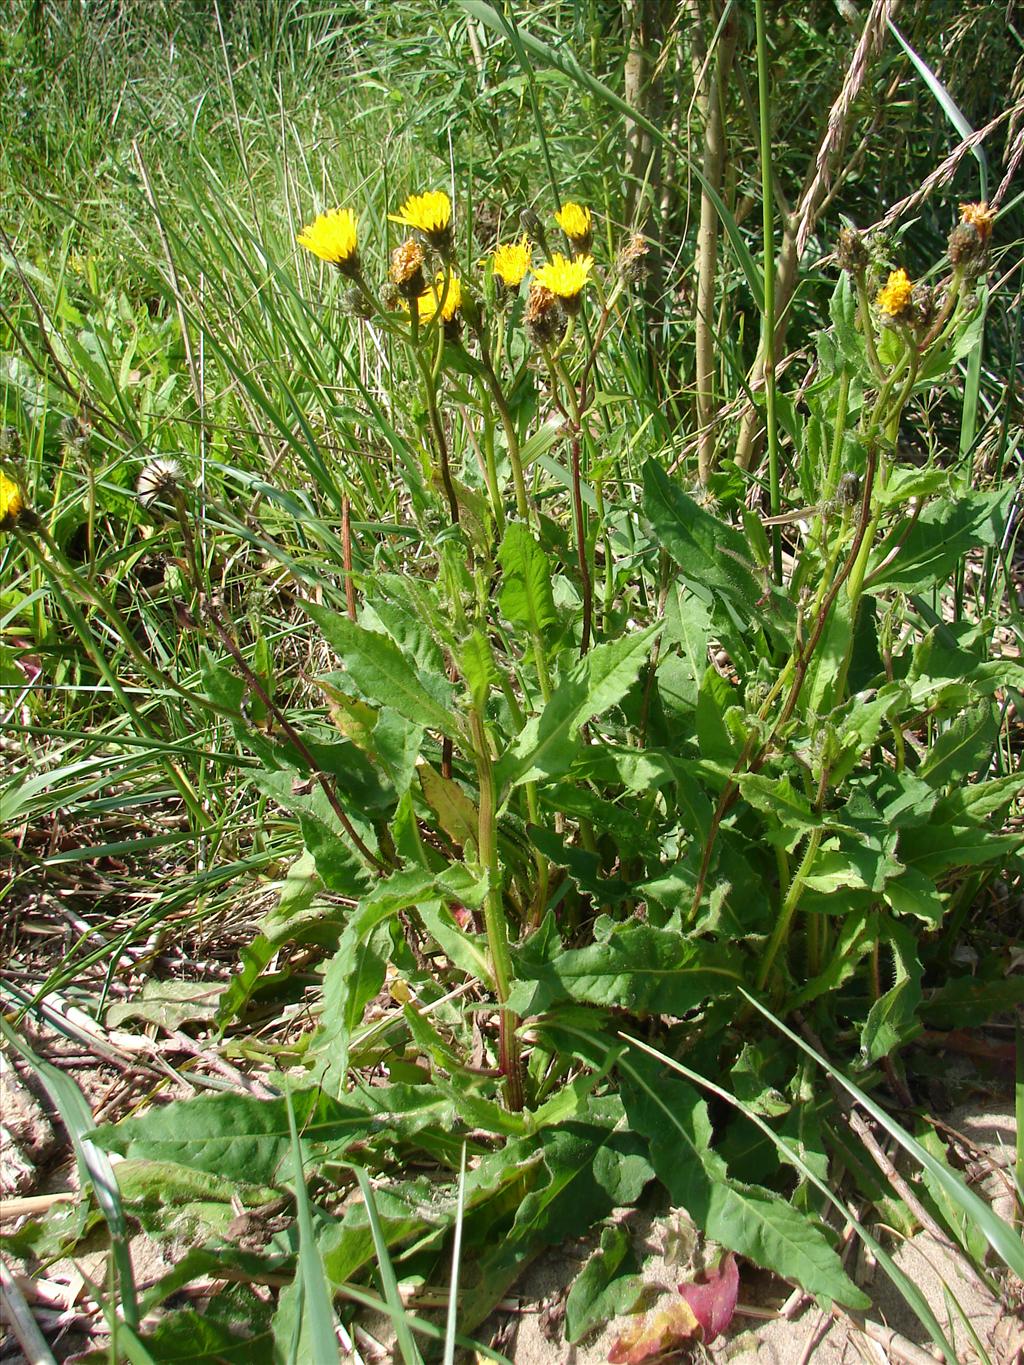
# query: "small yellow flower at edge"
(575, 221)
(12, 503)
(429, 214)
(334, 237)
(565, 278)
(512, 261)
(894, 298)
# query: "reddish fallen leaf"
(29, 664)
(653, 1334)
(712, 1298)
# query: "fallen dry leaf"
(712, 1297)
(652, 1334)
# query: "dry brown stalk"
(800, 224)
(707, 248)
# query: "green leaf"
(545, 747)
(777, 798)
(588, 1169)
(638, 968)
(892, 1019)
(248, 1139)
(356, 972)
(708, 552)
(858, 934)
(299, 914)
(975, 802)
(915, 894)
(926, 552)
(456, 813)
(746, 1219)
(185, 1337)
(525, 598)
(382, 672)
(714, 699)
(963, 749)
(478, 667)
(168, 1004)
(938, 848)
(956, 1218)
(315, 1337)
(605, 1288)
(970, 1001)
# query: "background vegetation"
(725, 723)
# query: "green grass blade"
(453, 1292)
(406, 1343)
(316, 1316)
(1002, 1239)
(93, 1164)
(946, 103)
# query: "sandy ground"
(772, 1326)
(761, 1335)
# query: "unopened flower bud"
(544, 318)
(851, 253)
(633, 259)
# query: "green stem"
(511, 435)
(768, 317)
(789, 905)
(494, 912)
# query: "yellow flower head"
(12, 503)
(980, 217)
(894, 298)
(512, 261)
(566, 278)
(427, 302)
(575, 222)
(334, 237)
(429, 214)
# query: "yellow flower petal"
(334, 237)
(512, 261)
(563, 277)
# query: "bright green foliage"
(543, 740)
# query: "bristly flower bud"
(407, 269)
(922, 302)
(534, 229)
(633, 259)
(980, 217)
(355, 303)
(848, 491)
(544, 318)
(851, 253)
(967, 244)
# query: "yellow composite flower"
(894, 297)
(565, 278)
(512, 261)
(980, 217)
(429, 214)
(575, 221)
(426, 303)
(12, 503)
(334, 237)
